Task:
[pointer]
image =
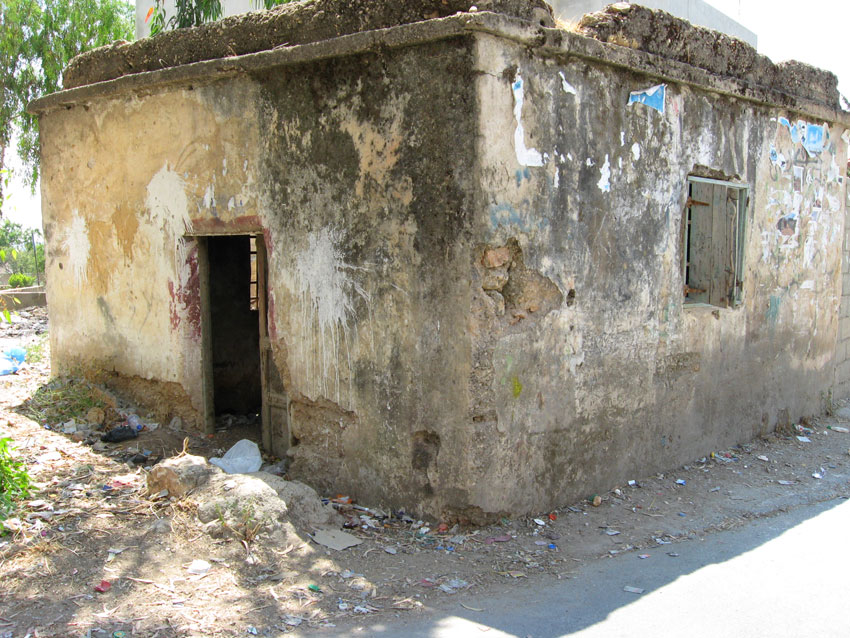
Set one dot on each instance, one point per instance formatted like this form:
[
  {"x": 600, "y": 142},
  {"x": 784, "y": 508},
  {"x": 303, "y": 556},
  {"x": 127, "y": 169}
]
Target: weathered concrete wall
[
  {"x": 123, "y": 182},
  {"x": 601, "y": 372},
  {"x": 842, "y": 350},
  {"x": 474, "y": 240},
  {"x": 369, "y": 216}
]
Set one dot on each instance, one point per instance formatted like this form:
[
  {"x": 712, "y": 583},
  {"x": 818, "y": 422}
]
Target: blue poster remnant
[
  {"x": 652, "y": 97},
  {"x": 814, "y": 140},
  {"x": 812, "y": 136}
]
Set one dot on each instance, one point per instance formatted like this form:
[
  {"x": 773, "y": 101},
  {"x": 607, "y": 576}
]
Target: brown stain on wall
[
  {"x": 100, "y": 255},
  {"x": 126, "y": 224}
]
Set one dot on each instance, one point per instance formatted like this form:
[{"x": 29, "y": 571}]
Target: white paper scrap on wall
[
  {"x": 525, "y": 156},
  {"x": 568, "y": 88},
  {"x": 604, "y": 182}
]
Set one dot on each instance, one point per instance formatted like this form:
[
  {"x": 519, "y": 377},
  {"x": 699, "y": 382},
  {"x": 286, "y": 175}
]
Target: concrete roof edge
[{"x": 550, "y": 42}]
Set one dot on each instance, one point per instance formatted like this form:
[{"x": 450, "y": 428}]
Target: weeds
[
  {"x": 59, "y": 401},
  {"x": 15, "y": 482},
  {"x": 246, "y": 527},
  {"x": 35, "y": 350}
]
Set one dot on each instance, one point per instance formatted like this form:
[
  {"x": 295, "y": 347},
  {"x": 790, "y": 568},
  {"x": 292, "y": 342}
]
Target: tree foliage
[
  {"x": 21, "y": 249},
  {"x": 193, "y": 13},
  {"x": 37, "y": 40}
]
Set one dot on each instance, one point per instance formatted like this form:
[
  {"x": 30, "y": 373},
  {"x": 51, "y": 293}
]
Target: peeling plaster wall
[
  {"x": 370, "y": 193},
  {"x": 123, "y": 181},
  {"x": 620, "y": 377}
]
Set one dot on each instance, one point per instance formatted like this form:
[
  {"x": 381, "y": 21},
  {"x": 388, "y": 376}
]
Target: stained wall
[{"x": 475, "y": 253}]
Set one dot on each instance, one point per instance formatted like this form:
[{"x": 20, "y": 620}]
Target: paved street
[{"x": 784, "y": 576}]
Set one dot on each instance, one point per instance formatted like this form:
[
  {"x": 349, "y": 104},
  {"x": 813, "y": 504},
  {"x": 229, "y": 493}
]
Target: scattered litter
[
  {"x": 633, "y": 590},
  {"x": 673, "y": 554},
  {"x": 681, "y": 482},
  {"x": 121, "y": 433},
  {"x": 762, "y": 457},
  {"x": 244, "y": 457},
  {"x": 335, "y": 539},
  {"x": 838, "y": 428},
  {"x": 453, "y": 585},
  {"x": 471, "y": 608},
  {"x": 504, "y": 538},
  {"x": 553, "y": 516},
  {"x": 661, "y": 541},
  {"x": 315, "y": 588},
  {"x": 199, "y": 567},
  {"x": 803, "y": 439},
  {"x": 682, "y": 514},
  {"x": 514, "y": 574},
  {"x": 11, "y": 360},
  {"x": 103, "y": 586},
  {"x": 539, "y": 521},
  {"x": 633, "y": 483},
  {"x": 643, "y": 556},
  {"x": 391, "y": 550},
  {"x": 819, "y": 475},
  {"x": 611, "y": 532},
  {"x": 785, "y": 482},
  {"x": 714, "y": 489},
  {"x": 596, "y": 500},
  {"x": 292, "y": 621},
  {"x": 252, "y": 630}
]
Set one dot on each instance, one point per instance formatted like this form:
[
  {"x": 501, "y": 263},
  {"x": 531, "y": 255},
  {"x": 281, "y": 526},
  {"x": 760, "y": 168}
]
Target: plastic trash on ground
[
  {"x": 243, "y": 458},
  {"x": 11, "y": 360}
]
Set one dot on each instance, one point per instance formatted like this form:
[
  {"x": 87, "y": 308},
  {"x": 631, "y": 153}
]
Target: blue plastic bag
[{"x": 12, "y": 360}]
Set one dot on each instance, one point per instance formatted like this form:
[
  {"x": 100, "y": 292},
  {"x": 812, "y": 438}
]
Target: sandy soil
[{"x": 92, "y": 525}]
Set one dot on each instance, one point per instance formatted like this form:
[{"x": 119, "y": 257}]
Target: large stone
[{"x": 179, "y": 475}]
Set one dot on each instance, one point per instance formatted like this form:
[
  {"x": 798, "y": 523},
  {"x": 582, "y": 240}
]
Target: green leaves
[
  {"x": 15, "y": 482},
  {"x": 193, "y": 13}
]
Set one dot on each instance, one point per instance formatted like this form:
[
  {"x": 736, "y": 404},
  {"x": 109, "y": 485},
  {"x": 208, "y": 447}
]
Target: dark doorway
[{"x": 235, "y": 331}]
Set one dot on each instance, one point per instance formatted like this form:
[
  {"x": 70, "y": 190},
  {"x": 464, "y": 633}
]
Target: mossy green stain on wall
[{"x": 516, "y": 387}]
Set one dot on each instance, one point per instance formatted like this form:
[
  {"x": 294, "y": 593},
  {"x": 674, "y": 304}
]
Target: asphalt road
[{"x": 784, "y": 576}]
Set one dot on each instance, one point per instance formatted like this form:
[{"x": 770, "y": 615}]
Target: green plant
[
  {"x": 20, "y": 280},
  {"x": 35, "y": 350},
  {"x": 246, "y": 527},
  {"x": 15, "y": 482},
  {"x": 60, "y": 400}
]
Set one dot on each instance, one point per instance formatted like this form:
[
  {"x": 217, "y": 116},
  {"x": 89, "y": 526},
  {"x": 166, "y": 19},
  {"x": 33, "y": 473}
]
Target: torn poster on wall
[
  {"x": 812, "y": 136},
  {"x": 653, "y": 97}
]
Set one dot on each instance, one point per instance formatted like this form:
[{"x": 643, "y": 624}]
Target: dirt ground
[{"x": 92, "y": 526}]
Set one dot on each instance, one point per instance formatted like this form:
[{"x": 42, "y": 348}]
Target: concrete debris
[{"x": 179, "y": 475}]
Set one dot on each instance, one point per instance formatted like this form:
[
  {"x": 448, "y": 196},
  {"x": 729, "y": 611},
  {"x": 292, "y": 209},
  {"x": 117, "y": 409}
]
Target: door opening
[{"x": 234, "y": 328}]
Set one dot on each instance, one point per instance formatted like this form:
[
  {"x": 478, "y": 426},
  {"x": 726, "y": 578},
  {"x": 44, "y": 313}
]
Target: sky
[{"x": 815, "y": 32}]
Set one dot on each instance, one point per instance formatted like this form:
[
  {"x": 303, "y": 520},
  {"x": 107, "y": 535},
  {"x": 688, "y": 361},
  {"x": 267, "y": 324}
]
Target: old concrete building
[{"x": 460, "y": 259}]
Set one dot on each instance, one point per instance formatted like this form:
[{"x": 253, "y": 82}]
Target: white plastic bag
[{"x": 242, "y": 458}]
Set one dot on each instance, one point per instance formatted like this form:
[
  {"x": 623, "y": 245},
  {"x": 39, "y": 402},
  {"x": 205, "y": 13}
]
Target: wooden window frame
[{"x": 713, "y": 240}]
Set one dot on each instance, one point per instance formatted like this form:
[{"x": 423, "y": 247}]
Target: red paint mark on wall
[{"x": 185, "y": 298}]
